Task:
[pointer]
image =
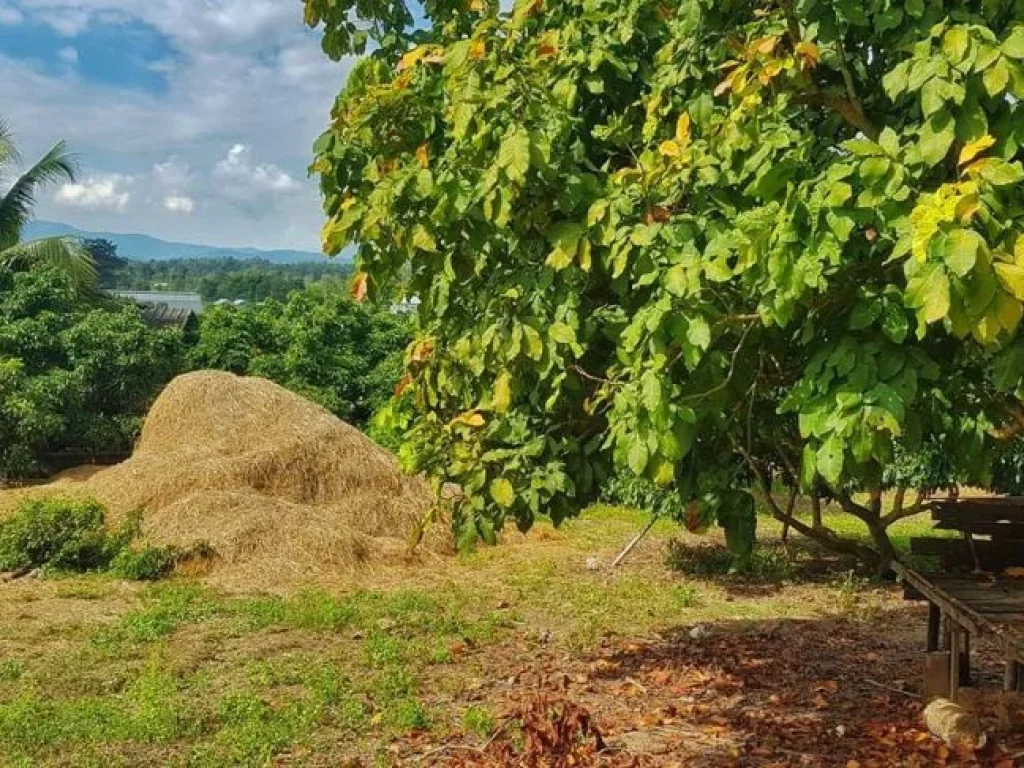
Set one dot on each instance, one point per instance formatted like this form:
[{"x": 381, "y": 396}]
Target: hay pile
[{"x": 278, "y": 486}]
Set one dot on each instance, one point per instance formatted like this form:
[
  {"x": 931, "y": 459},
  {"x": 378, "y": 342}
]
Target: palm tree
[{"x": 65, "y": 253}]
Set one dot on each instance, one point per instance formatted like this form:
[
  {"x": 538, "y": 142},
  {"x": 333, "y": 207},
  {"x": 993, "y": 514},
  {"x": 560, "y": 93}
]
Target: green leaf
[
  {"x": 955, "y": 43},
  {"x": 830, "y": 460},
  {"x": 1013, "y": 46},
  {"x": 514, "y": 154},
  {"x": 423, "y": 240},
  {"x": 928, "y": 292},
  {"x": 1000, "y": 173},
  {"x": 959, "y": 250},
  {"x": 937, "y": 137},
  {"x": 502, "y": 398},
  {"x": 808, "y": 467},
  {"x": 503, "y": 493},
  {"x": 996, "y": 78},
  {"x": 637, "y": 455},
  {"x": 562, "y": 333},
  {"x": 676, "y": 281},
  {"x": 651, "y": 391},
  {"x": 699, "y": 333}
]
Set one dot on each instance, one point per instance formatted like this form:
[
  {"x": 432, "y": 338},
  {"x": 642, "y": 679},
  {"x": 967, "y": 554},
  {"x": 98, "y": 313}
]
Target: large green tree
[
  {"x": 17, "y": 203},
  {"x": 730, "y": 246},
  {"x": 77, "y": 370}
]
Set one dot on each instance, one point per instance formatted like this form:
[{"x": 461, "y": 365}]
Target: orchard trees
[{"x": 731, "y": 246}]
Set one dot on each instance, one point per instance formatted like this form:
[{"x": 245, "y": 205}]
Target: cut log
[{"x": 957, "y": 727}]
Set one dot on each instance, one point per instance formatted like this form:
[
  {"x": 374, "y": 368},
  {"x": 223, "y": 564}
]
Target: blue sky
[{"x": 192, "y": 119}]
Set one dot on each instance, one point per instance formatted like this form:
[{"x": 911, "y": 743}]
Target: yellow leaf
[
  {"x": 548, "y": 43},
  {"x": 423, "y": 155},
  {"x": 586, "y": 259},
  {"x": 1012, "y": 278},
  {"x": 670, "y": 148},
  {"x": 477, "y": 49},
  {"x": 477, "y": 5},
  {"x": 412, "y": 58},
  {"x": 966, "y": 208},
  {"x": 809, "y": 52},
  {"x": 1018, "y": 251},
  {"x": 765, "y": 45},
  {"x": 1008, "y": 311},
  {"x": 726, "y": 84},
  {"x": 502, "y": 397},
  {"x": 360, "y": 286},
  {"x": 683, "y": 127},
  {"x": 975, "y": 148},
  {"x": 470, "y": 419},
  {"x": 422, "y": 351},
  {"x": 502, "y": 492}
]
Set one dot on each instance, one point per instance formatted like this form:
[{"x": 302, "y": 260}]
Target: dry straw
[{"x": 282, "y": 489}]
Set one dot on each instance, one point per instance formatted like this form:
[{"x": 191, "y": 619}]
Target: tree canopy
[
  {"x": 729, "y": 246},
  {"x": 319, "y": 343},
  {"x": 77, "y": 370}
]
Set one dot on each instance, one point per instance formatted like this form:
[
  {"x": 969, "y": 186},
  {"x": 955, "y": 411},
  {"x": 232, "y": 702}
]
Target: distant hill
[{"x": 146, "y": 248}]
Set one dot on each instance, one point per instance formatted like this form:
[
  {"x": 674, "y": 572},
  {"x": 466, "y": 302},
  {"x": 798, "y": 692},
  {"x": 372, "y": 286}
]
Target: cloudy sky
[{"x": 192, "y": 119}]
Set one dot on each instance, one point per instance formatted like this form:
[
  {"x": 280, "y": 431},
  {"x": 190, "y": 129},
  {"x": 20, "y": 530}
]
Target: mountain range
[{"x": 146, "y": 248}]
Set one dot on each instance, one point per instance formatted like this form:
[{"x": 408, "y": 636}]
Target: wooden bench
[{"x": 970, "y": 596}]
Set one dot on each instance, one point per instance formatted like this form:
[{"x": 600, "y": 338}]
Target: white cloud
[
  {"x": 172, "y": 174},
  {"x": 10, "y": 16},
  {"x": 179, "y": 204},
  {"x": 68, "y": 55},
  {"x": 67, "y": 21},
  {"x": 238, "y": 169},
  {"x": 97, "y": 192},
  {"x": 242, "y": 72}
]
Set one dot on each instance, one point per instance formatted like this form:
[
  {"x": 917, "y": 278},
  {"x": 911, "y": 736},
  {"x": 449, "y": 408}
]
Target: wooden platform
[{"x": 980, "y": 604}]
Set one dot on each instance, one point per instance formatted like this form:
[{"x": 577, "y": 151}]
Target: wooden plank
[
  {"x": 1004, "y": 531},
  {"x": 955, "y": 554}
]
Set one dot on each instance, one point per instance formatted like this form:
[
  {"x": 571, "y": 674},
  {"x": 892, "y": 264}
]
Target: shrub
[{"x": 62, "y": 535}]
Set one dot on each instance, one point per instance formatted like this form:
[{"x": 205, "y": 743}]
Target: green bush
[
  {"x": 149, "y": 564},
  {"x": 61, "y": 535}
]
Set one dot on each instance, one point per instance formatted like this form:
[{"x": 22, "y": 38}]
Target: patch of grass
[
  {"x": 11, "y": 670},
  {"x": 478, "y": 720},
  {"x": 169, "y": 606}
]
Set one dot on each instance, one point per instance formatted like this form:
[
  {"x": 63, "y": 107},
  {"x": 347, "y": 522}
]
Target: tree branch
[
  {"x": 919, "y": 506},
  {"x": 823, "y": 536}
]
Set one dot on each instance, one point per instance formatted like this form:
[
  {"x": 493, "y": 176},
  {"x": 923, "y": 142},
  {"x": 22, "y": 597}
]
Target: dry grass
[{"x": 278, "y": 486}]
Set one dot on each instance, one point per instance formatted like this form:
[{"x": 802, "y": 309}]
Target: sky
[{"x": 192, "y": 120}]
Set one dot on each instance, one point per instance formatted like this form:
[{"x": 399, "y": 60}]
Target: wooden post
[
  {"x": 934, "y": 619},
  {"x": 936, "y": 675},
  {"x": 1011, "y": 675},
  {"x": 956, "y": 645},
  {"x": 965, "y": 658}
]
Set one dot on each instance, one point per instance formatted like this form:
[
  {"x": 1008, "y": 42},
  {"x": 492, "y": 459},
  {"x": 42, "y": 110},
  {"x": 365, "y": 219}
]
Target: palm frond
[
  {"x": 16, "y": 206},
  {"x": 67, "y": 254},
  {"x": 8, "y": 151}
]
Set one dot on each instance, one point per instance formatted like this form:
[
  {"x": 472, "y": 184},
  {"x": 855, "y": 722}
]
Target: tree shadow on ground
[{"x": 816, "y": 692}]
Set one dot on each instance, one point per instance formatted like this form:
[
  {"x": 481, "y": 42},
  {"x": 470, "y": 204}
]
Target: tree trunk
[{"x": 816, "y": 511}]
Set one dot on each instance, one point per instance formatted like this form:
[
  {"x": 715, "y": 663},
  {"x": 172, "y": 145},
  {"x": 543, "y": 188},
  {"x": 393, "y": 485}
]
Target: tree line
[{"x": 212, "y": 278}]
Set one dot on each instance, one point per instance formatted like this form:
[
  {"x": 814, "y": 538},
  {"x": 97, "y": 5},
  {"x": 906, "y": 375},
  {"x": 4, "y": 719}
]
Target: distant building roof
[
  {"x": 173, "y": 299},
  {"x": 161, "y": 315}
]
